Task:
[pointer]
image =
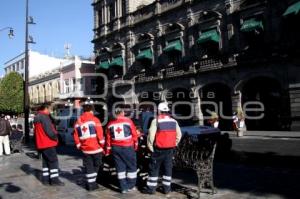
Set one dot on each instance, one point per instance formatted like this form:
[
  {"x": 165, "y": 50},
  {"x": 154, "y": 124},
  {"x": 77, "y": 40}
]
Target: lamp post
[
  {"x": 28, "y": 40},
  {"x": 10, "y": 32}
]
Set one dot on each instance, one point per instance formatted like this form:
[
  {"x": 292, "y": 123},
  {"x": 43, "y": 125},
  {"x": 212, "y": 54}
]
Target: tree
[{"x": 11, "y": 94}]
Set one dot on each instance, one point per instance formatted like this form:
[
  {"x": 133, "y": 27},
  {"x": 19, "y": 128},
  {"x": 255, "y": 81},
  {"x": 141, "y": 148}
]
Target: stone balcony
[
  {"x": 208, "y": 64},
  {"x": 72, "y": 94},
  {"x": 200, "y": 66}
]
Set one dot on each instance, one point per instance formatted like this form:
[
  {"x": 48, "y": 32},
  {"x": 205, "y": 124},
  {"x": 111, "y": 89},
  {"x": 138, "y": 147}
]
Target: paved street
[{"x": 238, "y": 174}]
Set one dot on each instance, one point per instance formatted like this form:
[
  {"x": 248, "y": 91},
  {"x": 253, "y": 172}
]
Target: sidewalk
[{"x": 20, "y": 174}]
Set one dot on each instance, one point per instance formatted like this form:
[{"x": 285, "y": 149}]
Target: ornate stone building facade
[
  {"x": 233, "y": 53},
  {"x": 44, "y": 87},
  {"x": 69, "y": 82}
]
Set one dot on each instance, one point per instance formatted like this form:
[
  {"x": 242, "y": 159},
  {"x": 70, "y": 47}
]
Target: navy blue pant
[
  {"x": 50, "y": 165},
  {"x": 125, "y": 162},
  {"x": 160, "y": 158},
  {"x": 91, "y": 163}
]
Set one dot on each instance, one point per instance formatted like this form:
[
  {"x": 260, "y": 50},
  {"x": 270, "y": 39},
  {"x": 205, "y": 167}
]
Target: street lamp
[
  {"x": 10, "y": 32},
  {"x": 28, "y": 40}
]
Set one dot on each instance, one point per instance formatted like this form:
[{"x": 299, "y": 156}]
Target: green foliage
[{"x": 11, "y": 93}]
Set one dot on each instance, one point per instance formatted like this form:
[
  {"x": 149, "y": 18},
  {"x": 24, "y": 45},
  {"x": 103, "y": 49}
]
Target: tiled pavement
[{"x": 19, "y": 179}]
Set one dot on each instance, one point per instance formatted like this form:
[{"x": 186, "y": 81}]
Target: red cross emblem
[
  {"x": 119, "y": 130},
  {"x": 84, "y": 129}
]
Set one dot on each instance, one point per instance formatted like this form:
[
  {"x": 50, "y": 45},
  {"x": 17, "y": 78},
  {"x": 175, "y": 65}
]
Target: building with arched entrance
[{"x": 203, "y": 56}]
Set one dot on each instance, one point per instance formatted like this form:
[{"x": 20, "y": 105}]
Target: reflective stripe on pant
[
  {"x": 91, "y": 163},
  {"x": 4, "y": 142},
  {"x": 125, "y": 162},
  {"x": 160, "y": 158},
  {"x": 45, "y": 172},
  {"x": 50, "y": 165}
]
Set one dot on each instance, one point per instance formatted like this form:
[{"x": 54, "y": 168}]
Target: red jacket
[
  {"x": 166, "y": 132},
  {"x": 88, "y": 134},
  {"x": 121, "y": 132},
  {"x": 44, "y": 131}
]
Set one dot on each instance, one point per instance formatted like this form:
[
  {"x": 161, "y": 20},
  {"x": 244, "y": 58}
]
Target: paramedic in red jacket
[
  {"x": 46, "y": 141},
  {"x": 164, "y": 135},
  {"x": 122, "y": 141},
  {"x": 88, "y": 137}
]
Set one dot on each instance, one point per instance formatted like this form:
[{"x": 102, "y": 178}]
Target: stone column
[
  {"x": 128, "y": 54},
  {"x": 191, "y": 21},
  {"x": 105, "y": 15},
  {"x": 196, "y": 100},
  {"x": 157, "y": 7},
  {"x": 117, "y": 23},
  {"x": 294, "y": 93},
  {"x": 157, "y": 43},
  {"x": 236, "y": 99}
]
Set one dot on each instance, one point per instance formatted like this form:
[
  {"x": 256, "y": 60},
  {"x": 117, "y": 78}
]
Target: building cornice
[{"x": 44, "y": 79}]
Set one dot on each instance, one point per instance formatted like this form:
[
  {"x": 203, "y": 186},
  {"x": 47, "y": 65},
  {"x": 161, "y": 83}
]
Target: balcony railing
[
  {"x": 71, "y": 94},
  {"x": 209, "y": 64},
  {"x": 177, "y": 71},
  {"x": 174, "y": 72}
]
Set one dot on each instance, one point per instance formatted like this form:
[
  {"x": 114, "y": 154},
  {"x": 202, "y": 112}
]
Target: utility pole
[{"x": 28, "y": 39}]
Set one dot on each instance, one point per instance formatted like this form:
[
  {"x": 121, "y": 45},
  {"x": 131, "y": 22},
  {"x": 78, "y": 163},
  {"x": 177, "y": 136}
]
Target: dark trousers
[
  {"x": 50, "y": 165},
  {"x": 125, "y": 162},
  {"x": 160, "y": 158},
  {"x": 91, "y": 163}
]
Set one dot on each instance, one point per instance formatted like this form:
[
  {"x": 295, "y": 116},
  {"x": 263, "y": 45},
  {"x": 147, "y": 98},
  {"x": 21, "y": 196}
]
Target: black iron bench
[
  {"x": 194, "y": 151},
  {"x": 197, "y": 152}
]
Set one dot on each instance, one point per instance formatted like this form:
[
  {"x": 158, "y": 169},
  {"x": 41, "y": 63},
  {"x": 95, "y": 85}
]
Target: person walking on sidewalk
[
  {"x": 88, "y": 137},
  {"x": 122, "y": 142},
  {"x": 5, "y": 131},
  {"x": 46, "y": 141},
  {"x": 164, "y": 135}
]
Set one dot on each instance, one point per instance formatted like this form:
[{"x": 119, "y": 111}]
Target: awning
[
  {"x": 252, "y": 24},
  {"x": 175, "y": 45},
  {"x": 117, "y": 61},
  {"x": 104, "y": 64},
  {"x": 145, "y": 54},
  {"x": 292, "y": 9},
  {"x": 210, "y": 35}
]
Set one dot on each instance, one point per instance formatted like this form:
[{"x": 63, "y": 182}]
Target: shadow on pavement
[
  {"x": 26, "y": 168},
  {"x": 76, "y": 176},
  {"x": 257, "y": 174},
  {"x": 258, "y": 180},
  {"x": 10, "y": 187}
]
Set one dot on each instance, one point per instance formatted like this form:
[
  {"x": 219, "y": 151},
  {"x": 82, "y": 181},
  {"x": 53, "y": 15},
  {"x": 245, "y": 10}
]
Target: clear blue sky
[{"x": 57, "y": 22}]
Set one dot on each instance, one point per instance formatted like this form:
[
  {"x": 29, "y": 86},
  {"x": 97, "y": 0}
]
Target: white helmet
[{"x": 163, "y": 107}]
